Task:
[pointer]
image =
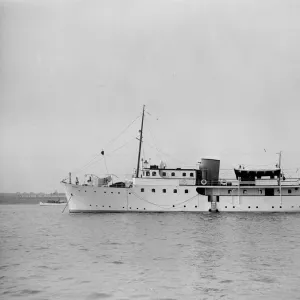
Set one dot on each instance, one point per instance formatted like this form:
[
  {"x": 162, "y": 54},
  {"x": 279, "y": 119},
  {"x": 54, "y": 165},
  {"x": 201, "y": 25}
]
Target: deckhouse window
[
  {"x": 191, "y": 174},
  {"x": 142, "y": 190},
  {"x": 289, "y": 191},
  {"x": 175, "y": 191},
  {"x": 173, "y": 174},
  {"x": 153, "y": 173},
  {"x": 186, "y": 191},
  {"x": 153, "y": 190},
  {"x": 164, "y": 174},
  {"x": 147, "y": 173},
  {"x": 244, "y": 192},
  {"x": 183, "y": 174},
  {"x": 164, "y": 190},
  {"x": 229, "y": 191}
]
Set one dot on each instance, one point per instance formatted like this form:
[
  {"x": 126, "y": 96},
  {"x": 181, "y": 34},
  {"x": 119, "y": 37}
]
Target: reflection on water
[{"x": 46, "y": 254}]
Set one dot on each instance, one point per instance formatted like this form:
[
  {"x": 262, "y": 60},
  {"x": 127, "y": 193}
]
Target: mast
[
  {"x": 140, "y": 146},
  {"x": 280, "y": 191},
  {"x": 280, "y": 160}
]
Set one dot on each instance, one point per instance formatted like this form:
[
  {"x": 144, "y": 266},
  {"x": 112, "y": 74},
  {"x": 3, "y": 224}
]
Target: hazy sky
[{"x": 220, "y": 78}]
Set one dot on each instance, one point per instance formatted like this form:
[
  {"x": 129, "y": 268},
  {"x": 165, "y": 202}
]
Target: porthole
[
  {"x": 109, "y": 206},
  {"x": 175, "y": 191},
  {"x": 147, "y": 173},
  {"x": 248, "y": 206},
  {"x": 129, "y": 207},
  {"x": 153, "y": 190},
  {"x": 164, "y": 190},
  {"x": 272, "y": 206},
  {"x": 184, "y": 206},
  {"x": 173, "y": 174},
  {"x": 144, "y": 208},
  {"x": 229, "y": 191},
  {"x": 292, "y": 206},
  {"x": 104, "y": 192},
  {"x": 142, "y": 190},
  {"x": 90, "y": 204},
  {"x": 118, "y": 192},
  {"x": 123, "y": 207},
  {"x": 137, "y": 208},
  {"x": 102, "y": 205},
  {"x": 94, "y": 191},
  {"x": 225, "y": 206},
  {"x": 195, "y": 206},
  {"x": 280, "y": 206},
  {"x": 129, "y": 193},
  {"x": 233, "y": 206},
  {"x": 112, "y": 192},
  {"x": 153, "y": 173},
  {"x": 183, "y": 174},
  {"x": 96, "y": 205},
  {"x": 85, "y": 191},
  {"x": 256, "y": 206},
  {"x": 173, "y": 205}
]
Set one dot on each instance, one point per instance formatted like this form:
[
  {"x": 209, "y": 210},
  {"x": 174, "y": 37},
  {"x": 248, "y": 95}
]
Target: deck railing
[{"x": 257, "y": 182}]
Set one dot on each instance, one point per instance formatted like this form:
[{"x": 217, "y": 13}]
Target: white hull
[
  {"x": 110, "y": 199},
  {"x": 51, "y": 204}
]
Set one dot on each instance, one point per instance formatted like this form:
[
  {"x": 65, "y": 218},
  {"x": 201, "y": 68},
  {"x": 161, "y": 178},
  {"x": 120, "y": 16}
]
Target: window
[
  {"x": 244, "y": 192},
  {"x": 191, "y": 174},
  {"x": 153, "y": 173},
  {"x": 183, "y": 174},
  {"x": 173, "y": 174},
  {"x": 164, "y": 190},
  {"x": 186, "y": 191},
  {"x": 260, "y": 191},
  {"x": 175, "y": 191},
  {"x": 269, "y": 192},
  {"x": 289, "y": 191},
  {"x": 164, "y": 174},
  {"x": 153, "y": 190},
  {"x": 142, "y": 190},
  {"x": 147, "y": 173},
  {"x": 229, "y": 191}
]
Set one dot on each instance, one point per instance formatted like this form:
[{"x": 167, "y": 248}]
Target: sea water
[{"x": 49, "y": 255}]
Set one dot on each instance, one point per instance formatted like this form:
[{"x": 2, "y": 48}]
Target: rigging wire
[
  {"x": 105, "y": 164},
  {"x": 100, "y": 157},
  {"x": 96, "y": 156},
  {"x": 114, "y": 139}
]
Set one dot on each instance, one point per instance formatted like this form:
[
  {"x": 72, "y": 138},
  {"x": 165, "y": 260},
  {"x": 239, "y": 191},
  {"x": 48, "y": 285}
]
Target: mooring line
[{"x": 67, "y": 204}]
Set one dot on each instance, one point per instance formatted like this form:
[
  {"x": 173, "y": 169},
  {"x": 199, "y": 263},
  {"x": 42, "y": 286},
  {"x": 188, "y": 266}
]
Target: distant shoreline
[{"x": 14, "y": 198}]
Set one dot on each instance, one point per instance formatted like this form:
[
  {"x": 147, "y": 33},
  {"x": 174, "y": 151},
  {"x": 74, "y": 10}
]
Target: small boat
[{"x": 53, "y": 202}]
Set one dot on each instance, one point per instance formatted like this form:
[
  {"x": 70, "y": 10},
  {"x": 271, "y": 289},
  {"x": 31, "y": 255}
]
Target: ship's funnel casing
[{"x": 210, "y": 169}]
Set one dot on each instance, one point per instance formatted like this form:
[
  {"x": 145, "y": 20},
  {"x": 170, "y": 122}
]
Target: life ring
[{"x": 203, "y": 182}]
